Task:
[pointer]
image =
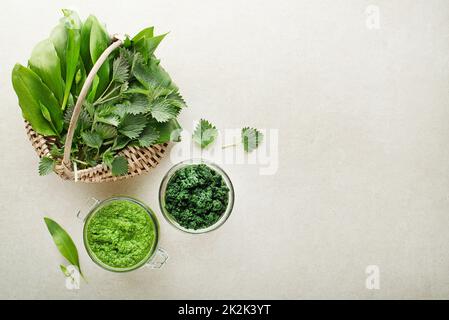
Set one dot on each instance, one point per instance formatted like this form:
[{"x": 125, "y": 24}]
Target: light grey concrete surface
[{"x": 363, "y": 152}]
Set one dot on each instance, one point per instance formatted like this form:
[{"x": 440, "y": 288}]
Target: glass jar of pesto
[
  {"x": 121, "y": 234},
  {"x": 196, "y": 196}
]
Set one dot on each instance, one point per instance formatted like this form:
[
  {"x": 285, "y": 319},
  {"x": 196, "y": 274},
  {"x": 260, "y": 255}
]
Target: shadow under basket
[{"x": 140, "y": 159}]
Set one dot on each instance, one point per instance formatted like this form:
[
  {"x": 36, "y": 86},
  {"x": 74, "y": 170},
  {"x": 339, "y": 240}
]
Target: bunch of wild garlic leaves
[{"x": 132, "y": 100}]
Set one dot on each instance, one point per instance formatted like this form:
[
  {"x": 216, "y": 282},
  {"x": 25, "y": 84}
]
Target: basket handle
[{"x": 117, "y": 41}]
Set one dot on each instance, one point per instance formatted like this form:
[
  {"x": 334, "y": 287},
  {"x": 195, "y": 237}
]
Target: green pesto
[
  {"x": 196, "y": 196},
  {"x": 121, "y": 234}
]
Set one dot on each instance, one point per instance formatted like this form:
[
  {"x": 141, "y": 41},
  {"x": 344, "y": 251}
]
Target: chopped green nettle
[
  {"x": 196, "y": 196},
  {"x": 121, "y": 234}
]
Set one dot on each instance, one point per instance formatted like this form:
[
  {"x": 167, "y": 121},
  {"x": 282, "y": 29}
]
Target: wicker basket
[{"x": 140, "y": 160}]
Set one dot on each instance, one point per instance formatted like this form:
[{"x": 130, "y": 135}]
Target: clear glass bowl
[
  {"x": 163, "y": 189},
  {"x": 155, "y": 258}
]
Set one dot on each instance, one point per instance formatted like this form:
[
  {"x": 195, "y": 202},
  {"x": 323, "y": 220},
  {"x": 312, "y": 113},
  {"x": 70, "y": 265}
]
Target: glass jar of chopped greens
[
  {"x": 122, "y": 234},
  {"x": 196, "y": 196}
]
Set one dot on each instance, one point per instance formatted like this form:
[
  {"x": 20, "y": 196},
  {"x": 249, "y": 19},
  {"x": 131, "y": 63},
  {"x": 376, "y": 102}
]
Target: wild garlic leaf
[
  {"x": 92, "y": 139},
  {"x": 47, "y": 116},
  {"x": 63, "y": 242},
  {"x": 132, "y": 125},
  {"x": 31, "y": 92},
  {"x": 58, "y": 37},
  {"x": 73, "y": 26},
  {"x": 64, "y": 270},
  {"x": 45, "y": 62},
  {"x": 119, "y": 166},
  {"x": 251, "y": 138},
  {"x": 147, "y": 45},
  {"x": 163, "y": 110},
  {"x": 46, "y": 166},
  {"x": 147, "y": 32},
  {"x": 148, "y": 137},
  {"x": 205, "y": 133},
  {"x": 99, "y": 41}
]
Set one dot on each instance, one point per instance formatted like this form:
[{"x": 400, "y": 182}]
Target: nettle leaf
[
  {"x": 105, "y": 131},
  {"x": 108, "y": 157},
  {"x": 205, "y": 133},
  {"x": 251, "y": 138},
  {"x": 138, "y": 104},
  {"x": 46, "y": 166},
  {"x": 163, "y": 110},
  {"x": 56, "y": 152},
  {"x": 92, "y": 139},
  {"x": 132, "y": 125},
  {"x": 120, "y": 69},
  {"x": 119, "y": 166},
  {"x": 148, "y": 137},
  {"x": 135, "y": 88},
  {"x": 120, "y": 142},
  {"x": 177, "y": 99},
  {"x": 113, "y": 120}
]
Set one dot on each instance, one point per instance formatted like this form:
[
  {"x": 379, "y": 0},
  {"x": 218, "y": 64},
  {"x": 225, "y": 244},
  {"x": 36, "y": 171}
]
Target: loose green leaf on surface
[
  {"x": 251, "y": 138},
  {"x": 63, "y": 242},
  {"x": 46, "y": 166},
  {"x": 64, "y": 270},
  {"x": 205, "y": 133}
]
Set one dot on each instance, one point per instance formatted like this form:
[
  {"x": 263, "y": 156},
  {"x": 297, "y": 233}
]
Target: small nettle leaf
[
  {"x": 56, "y": 152},
  {"x": 119, "y": 166},
  {"x": 205, "y": 133},
  {"x": 120, "y": 69},
  {"x": 105, "y": 131},
  {"x": 46, "y": 166},
  {"x": 178, "y": 99},
  {"x": 108, "y": 157},
  {"x": 68, "y": 114},
  {"x": 163, "y": 110},
  {"x": 84, "y": 120},
  {"x": 148, "y": 137},
  {"x": 111, "y": 119},
  {"x": 92, "y": 139},
  {"x": 137, "y": 89},
  {"x": 138, "y": 104},
  {"x": 251, "y": 138},
  {"x": 132, "y": 125},
  {"x": 120, "y": 142}
]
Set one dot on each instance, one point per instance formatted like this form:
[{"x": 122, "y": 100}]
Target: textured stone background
[{"x": 363, "y": 153}]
